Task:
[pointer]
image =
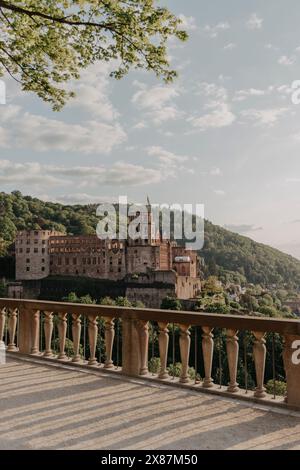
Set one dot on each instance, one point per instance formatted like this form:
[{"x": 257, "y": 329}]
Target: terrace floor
[{"x": 50, "y": 407}]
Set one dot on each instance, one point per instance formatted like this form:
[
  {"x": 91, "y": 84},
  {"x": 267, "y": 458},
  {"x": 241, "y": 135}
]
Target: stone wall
[
  {"x": 32, "y": 254},
  {"x": 151, "y": 296}
]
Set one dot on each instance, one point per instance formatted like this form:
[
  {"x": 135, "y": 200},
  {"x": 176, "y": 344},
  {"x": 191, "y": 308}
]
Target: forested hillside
[{"x": 225, "y": 254}]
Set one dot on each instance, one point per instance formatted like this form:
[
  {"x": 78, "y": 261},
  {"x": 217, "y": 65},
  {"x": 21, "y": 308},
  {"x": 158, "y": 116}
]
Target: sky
[{"x": 225, "y": 134}]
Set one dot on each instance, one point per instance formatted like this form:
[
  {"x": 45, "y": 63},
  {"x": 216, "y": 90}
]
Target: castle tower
[
  {"x": 32, "y": 254},
  {"x": 146, "y": 232}
]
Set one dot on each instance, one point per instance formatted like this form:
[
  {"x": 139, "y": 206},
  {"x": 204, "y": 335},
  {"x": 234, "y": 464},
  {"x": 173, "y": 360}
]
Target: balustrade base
[
  {"x": 208, "y": 383},
  {"x": 242, "y": 395}
]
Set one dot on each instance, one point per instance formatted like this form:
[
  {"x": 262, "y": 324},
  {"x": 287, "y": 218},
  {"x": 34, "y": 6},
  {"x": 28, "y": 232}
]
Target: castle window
[
  {"x": 36, "y": 233},
  {"x": 27, "y": 250},
  {"x": 44, "y": 242},
  {"x": 43, "y": 260},
  {"x": 36, "y": 250},
  {"x": 28, "y": 242},
  {"x": 21, "y": 250},
  {"x": 94, "y": 260},
  {"x": 28, "y": 269},
  {"x": 43, "y": 250},
  {"x": 89, "y": 260},
  {"x": 75, "y": 262},
  {"x": 43, "y": 268},
  {"x": 119, "y": 270},
  {"x": 36, "y": 242}
]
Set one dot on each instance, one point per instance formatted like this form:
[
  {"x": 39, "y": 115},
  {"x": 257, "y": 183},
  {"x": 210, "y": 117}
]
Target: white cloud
[
  {"x": 188, "y": 22},
  {"x": 157, "y": 103},
  {"x": 221, "y": 114},
  {"x": 254, "y": 22},
  {"x": 140, "y": 125},
  {"x": 213, "y": 91},
  {"x": 220, "y": 117},
  {"x": 286, "y": 61},
  {"x": 241, "y": 95},
  {"x": 264, "y": 117},
  {"x": 224, "y": 78},
  {"x": 271, "y": 47},
  {"x": 170, "y": 163},
  {"x": 213, "y": 30},
  {"x": 93, "y": 91},
  {"x": 39, "y": 175},
  {"x": 215, "y": 172},
  {"x": 293, "y": 179},
  {"x": 26, "y": 130},
  {"x": 78, "y": 198},
  {"x": 285, "y": 90},
  {"x": 219, "y": 192},
  {"x": 229, "y": 47}
]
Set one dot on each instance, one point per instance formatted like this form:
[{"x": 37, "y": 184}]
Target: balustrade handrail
[{"x": 238, "y": 322}]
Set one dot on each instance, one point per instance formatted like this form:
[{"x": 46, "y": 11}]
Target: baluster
[
  {"x": 232, "y": 348},
  {"x": 143, "y": 327},
  {"x": 93, "y": 332},
  {"x": 208, "y": 351},
  {"x": 12, "y": 326},
  {"x": 2, "y": 325},
  {"x": 185, "y": 344},
  {"x": 163, "y": 342},
  {"x": 62, "y": 333},
  {"x": 259, "y": 354},
  {"x": 48, "y": 329},
  {"x": 76, "y": 334},
  {"x": 109, "y": 341},
  {"x": 35, "y": 332}
]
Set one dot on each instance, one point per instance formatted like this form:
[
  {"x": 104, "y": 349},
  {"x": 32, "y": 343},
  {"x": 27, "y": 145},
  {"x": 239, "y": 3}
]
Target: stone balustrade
[{"x": 28, "y": 327}]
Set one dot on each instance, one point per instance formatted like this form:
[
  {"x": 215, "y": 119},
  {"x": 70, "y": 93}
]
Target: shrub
[
  {"x": 69, "y": 348},
  {"x": 171, "y": 303},
  {"x": 218, "y": 308},
  {"x": 175, "y": 371},
  {"x": 280, "y": 387},
  {"x": 154, "y": 365}
]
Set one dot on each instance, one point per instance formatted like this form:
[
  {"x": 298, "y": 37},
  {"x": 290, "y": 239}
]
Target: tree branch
[{"x": 56, "y": 19}]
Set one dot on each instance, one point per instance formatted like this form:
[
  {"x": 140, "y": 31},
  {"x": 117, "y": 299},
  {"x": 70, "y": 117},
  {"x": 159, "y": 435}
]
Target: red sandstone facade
[{"x": 43, "y": 253}]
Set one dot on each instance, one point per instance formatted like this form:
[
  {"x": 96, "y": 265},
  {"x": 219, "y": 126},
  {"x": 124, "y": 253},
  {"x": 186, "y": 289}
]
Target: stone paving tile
[{"x": 46, "y": 407}]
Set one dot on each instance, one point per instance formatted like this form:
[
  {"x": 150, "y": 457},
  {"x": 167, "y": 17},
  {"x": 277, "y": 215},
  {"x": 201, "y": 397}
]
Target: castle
[{"x": 143, "y": 261}]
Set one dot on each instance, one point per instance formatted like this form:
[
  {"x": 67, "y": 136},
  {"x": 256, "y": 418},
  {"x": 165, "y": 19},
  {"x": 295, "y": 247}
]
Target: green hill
[{"x": 225, "y": 254}]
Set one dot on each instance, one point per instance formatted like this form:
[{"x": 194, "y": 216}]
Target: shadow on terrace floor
[{"x": 46, "y": 407}]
